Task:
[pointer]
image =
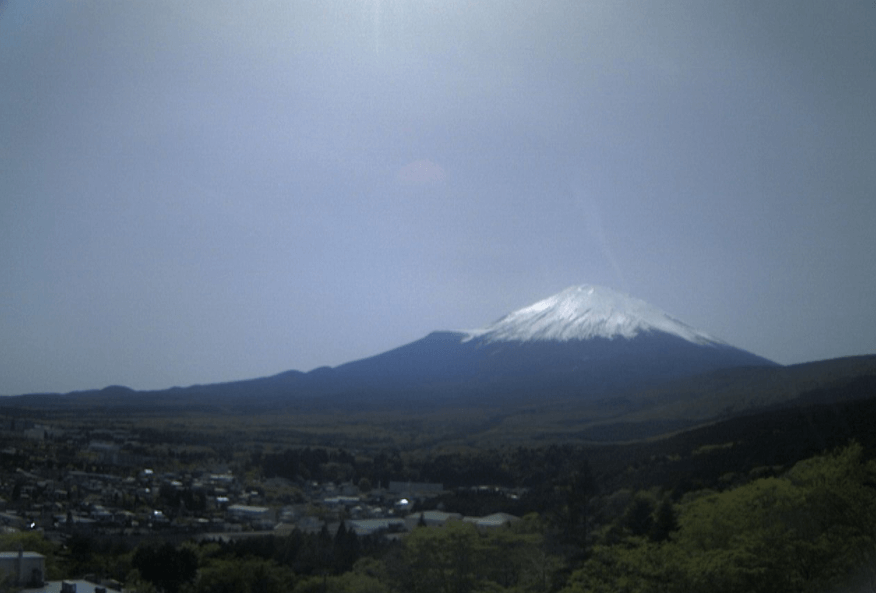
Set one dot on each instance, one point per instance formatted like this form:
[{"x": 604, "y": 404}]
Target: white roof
[{"x": 23, "y": 555}]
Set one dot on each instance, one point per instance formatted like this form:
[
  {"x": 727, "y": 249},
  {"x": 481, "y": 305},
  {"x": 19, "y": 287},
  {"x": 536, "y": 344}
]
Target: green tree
[
  {"x": 165, "y": 566},
  {"x": 809, "y": 530},
  {"x": 665, "y": 522},
  {"x": 799, "y": 532},
  {"x": 575, "y": 514},
  {"x": 516, "y": 557},
  {"x": 244, "y": 575},
  {"x": 349, "y": 582},
  {"x": 636, "y": 566},
  {"x": 459, "y": 558},
  {"x": 439, "y": 560},
  {"x": 639, "y": 515}
]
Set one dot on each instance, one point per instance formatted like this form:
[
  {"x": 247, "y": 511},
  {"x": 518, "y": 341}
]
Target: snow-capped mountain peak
[{"x": 585, "y": 312}]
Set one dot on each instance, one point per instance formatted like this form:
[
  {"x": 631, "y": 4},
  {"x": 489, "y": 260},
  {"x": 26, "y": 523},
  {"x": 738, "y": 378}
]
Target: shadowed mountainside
[{"x": 521, "y": 415}]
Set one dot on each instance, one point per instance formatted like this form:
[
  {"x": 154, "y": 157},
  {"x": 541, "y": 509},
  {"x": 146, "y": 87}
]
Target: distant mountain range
[
  {"x": 585, "y": 342},
  {"x": 588, "y": 363}
]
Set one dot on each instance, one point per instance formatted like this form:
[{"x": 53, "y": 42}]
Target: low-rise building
[
  {"x": 253, "y": 515},
  {"x": 430, "y": 518},
  {"x": 374, "y": 526},
  {"x": 494, "y": 520},
  {"x": 26, "y": 568}
]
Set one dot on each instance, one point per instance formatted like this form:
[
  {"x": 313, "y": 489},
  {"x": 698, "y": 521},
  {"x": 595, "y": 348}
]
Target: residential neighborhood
[{"x": 110, "y": 485}]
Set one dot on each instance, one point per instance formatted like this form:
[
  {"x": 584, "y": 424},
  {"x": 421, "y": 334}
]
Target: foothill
[{"x": 190, "y": 502}]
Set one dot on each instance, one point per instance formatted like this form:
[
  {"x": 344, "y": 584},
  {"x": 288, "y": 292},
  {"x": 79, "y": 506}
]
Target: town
[
  {"x": 110, "y": 485},
  {"x": 189, "y": 502}
]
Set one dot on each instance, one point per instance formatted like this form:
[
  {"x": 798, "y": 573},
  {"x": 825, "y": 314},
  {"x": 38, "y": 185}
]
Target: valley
[
  {"x": 101, "y": 490},
  {"x": 587, "y": 442}
]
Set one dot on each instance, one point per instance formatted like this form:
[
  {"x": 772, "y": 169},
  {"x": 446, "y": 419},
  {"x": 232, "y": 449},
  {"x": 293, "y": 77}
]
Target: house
[
  {"x": 373, "y": 526},
  {"x": 430, "y": 518},
  {"x": 256, "y": 516},
  {"x": 494, "y": 520},
  {"x": 26, "y": 568},
  {"x": 73, "y": 586}
]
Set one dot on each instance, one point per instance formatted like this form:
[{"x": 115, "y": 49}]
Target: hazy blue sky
[{"x": 203, "y": 191}]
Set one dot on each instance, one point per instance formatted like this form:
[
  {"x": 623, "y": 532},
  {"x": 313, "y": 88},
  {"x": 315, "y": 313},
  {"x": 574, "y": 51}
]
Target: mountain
[
  {"x": 588, "y": 364},
  {"x": 584, "y": 313},
  {"x": 586, "y": 343}
]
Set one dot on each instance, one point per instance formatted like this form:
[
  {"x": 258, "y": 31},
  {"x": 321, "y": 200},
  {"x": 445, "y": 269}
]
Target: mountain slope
[
  {"x": 585, "y": 343},
  {"x": 587, "y": 312}
]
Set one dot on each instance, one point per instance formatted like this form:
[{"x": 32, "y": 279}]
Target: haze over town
[{"x": 209, "y": 191}]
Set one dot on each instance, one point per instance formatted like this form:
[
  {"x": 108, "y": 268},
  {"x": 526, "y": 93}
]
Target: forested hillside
[
  {"x": 809, "y": 528},
  {"x": 776, "y": 501}
]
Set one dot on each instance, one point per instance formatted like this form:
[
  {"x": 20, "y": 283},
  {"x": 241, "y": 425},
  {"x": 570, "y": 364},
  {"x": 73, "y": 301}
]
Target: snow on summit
[{"x": 585, "y": 312}]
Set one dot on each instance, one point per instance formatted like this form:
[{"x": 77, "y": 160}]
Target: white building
[
  {"x": 252, "y": 514},
  {"x": 27, "y": 568},
  {"x": 494, "y": 520},
  {"x": 430, "y": 518}
]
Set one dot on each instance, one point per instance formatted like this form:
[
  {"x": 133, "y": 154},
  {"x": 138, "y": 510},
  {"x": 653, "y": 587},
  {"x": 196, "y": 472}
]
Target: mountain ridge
[{"x": 585, "y": 342}]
